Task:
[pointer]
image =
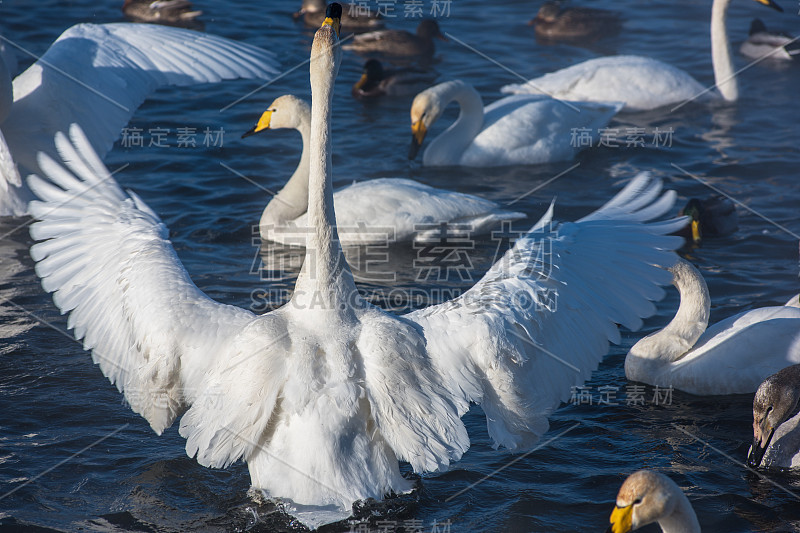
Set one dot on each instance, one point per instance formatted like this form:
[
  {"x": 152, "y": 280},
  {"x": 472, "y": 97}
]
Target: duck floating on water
[
  {"x": 376, "y": 81},
  {"x": 553, "y": 23},
  {"x": 399, "y": 43},
  {"x": 761, "y": 42}
]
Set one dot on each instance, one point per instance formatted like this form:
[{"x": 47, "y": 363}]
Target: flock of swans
[{"x": 307, "y": 394}]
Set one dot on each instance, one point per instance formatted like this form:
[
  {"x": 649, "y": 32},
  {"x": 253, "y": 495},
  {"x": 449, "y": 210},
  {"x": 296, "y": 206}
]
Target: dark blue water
[{"x": 55, "y": 403}]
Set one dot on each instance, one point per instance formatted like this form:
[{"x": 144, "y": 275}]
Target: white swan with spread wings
[{"x": 308, "y": 394}]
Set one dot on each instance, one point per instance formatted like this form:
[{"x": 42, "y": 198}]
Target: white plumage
[
  {"x": 516, "y": 130},
  {"x": 322, "y": 396},
  {"x": 373, "y": 211},
  {"x": 731, "y": 357},
  {"x": 642, "y": 83},
  {"x": 96, "y": 75}
]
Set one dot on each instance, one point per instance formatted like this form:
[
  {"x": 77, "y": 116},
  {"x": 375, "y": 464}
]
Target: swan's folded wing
[
  {"x": 96, "y": 75},
  {"x": 105, "y": 257},
  {"x": 540, "y": 321}
]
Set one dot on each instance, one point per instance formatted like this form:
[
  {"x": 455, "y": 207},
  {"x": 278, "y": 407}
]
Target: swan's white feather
[
  {"x": 109, "y": 263},
  {"x": 321, "y": 402},
  {"x": 525, "y": 129},
  {"x": 640, "y": 82},
  {"x": 736, "y": 354},
  {"x": 541, "y": 319},
  {"x": 96, "y": 75}
]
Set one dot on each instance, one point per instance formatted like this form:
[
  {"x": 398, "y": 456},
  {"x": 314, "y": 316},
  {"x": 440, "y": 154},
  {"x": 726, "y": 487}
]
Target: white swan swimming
[
  {"x": 515, "y": 130},
  {"x": 647, "y": 497},
  {"x": 731, "y": 357},
  {"x": 322, "y": 396},
  {"x": 776, "y": 436},
  {"x": 96, "y": 75},
  {"x": 641, "y": 82},
  {"x": 370, "y": 211}
]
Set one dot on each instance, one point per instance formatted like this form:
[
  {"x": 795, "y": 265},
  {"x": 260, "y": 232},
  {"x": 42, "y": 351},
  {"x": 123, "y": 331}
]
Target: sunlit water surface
[{"x": 55, "y": 402}]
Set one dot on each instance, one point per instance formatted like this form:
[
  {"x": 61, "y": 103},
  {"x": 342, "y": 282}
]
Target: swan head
[
  {"x": 645, "y": 497},
  {"x": 287, "y": 111},
  {"x": 775, "y": 401},
  {"x": 333, "y": 19},
  {"x": 425, "y": 110}
]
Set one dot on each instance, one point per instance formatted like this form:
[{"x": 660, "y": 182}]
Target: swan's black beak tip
[
  {"x": 757, "y": 452},
  {"x": 413, "y": 150}
]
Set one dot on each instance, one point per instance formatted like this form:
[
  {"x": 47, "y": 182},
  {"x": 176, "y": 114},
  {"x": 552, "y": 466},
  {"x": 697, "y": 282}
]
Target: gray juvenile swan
[{"x": 776, "y": 436}]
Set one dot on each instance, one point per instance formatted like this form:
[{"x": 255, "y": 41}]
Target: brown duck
[
  {"x": 554, "y": 23},
  {"x": 398, "y": 43}
]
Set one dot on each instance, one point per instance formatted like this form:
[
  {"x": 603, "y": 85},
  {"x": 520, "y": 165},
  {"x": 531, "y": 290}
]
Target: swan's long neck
[
  {"x": 678, "y": 337},
  {"x": 448, "y": 147},
  {"x": 292, "y": 200},
  {"x": 682, "y": 519},
  {"x": 325, "y": 281},
  {"x": 721, "y": 56}
]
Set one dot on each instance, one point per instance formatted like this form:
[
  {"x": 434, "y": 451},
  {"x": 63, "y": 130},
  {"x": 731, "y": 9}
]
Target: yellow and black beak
[
  {"x": 770, "y": 3},
  {"x": 263, "y": 124},
  {"x": 333, "y": 17},
  {"x": 418, "y": 131},
  {"x": 621, "y": 519}
]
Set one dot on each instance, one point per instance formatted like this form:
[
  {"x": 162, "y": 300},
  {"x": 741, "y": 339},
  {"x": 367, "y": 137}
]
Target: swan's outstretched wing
[
  {"x": 105, "y": 257},
  {"x": 641, "y": 82},
  {"x": 96, "y": 75},
  {"x": 541, "y": 319}
]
